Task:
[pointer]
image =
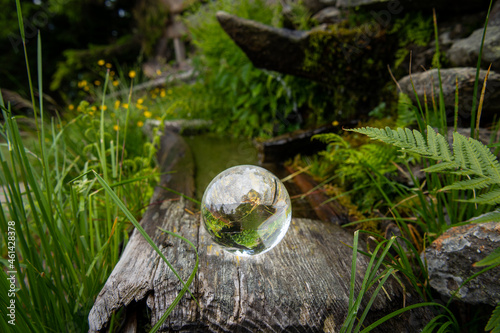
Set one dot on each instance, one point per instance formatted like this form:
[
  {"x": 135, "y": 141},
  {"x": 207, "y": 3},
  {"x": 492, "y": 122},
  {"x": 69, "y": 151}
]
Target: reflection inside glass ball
[{"x": 246, "y": 209}]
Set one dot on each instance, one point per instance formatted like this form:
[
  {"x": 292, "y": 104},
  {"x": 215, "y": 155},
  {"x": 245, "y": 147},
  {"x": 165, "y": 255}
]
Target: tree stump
[{"x": 302, "y": 285}]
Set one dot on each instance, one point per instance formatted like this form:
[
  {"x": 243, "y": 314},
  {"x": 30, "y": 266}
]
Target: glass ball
[{"x": 246, "y": 209}]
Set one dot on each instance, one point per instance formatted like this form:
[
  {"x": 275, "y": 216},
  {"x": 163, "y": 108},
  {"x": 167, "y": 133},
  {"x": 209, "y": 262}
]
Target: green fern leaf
[
  {"x": 419, "y": 138},
  {"x": 410, "y": 137},
  {"x": 494, "y": 322},
  {"x": 488, "y": 217},
  {"x": 458, "y": 150},
  {"x": 444, "y": 148},
  {"x": 490, "y": 164},
  {"x": 432, "y": 141},
  {"x": 469, "y": 158},
  {"x": 489, "y": 198},
  {"x": 441, "y": 167},
  {"x": 492, "y": 259},
  {"x": 469, "y": 184},
  {"x": 472, "y": 157}
]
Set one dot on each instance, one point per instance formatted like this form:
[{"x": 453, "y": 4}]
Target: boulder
[
  {"x": 451, "y": 257},
  {"x": 465, "y": 52},
  {"x": 427, "y": 83},
  {"x": 353, "y": 61}
]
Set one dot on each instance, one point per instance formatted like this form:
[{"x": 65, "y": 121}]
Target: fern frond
[
  {"x": 328, "y": 137},
  {"x": 448, "y": 167},
  {"x": 473, "y": 159},
  {"x": 494, "y": 322},
  {"x": 489, "y": 198},
  {"x": 470, "y": 184},
  {"x": 487, "y": 217},
  {"x": 444, "y": 148},
  {"x": 432, "y": 141},
  {"x": 458, "y": 150},
  {"x": 491, "y": 166},
  {"x": 469, "y": 158},
  {"x": 412, "y": 142}
]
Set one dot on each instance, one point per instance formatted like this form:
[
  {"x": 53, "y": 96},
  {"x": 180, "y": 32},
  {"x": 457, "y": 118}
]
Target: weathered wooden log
[{"x": 301, "y": 285}]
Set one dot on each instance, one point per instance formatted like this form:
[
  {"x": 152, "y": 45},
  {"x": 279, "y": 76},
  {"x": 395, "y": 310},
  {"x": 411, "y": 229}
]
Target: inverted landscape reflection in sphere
[{"x": 246, "y": 209}]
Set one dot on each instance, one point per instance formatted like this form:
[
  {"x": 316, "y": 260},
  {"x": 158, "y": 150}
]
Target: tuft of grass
[{"x": 62, "y": 234}]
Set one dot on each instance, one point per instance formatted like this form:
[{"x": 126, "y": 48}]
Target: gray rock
[
  {"x": 465, "y": 52},
  {"x": 428, "y": 83},
  {"x": 494, "y": 15},
  {"x": 450, "y": 260}
]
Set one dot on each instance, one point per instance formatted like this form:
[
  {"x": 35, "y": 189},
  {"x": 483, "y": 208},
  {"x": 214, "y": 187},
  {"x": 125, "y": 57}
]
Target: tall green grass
[{"x": 69, "y": 230}]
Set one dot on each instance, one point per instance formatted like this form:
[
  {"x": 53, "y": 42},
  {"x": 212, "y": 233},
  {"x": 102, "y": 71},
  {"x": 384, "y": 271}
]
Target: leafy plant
[{"x": 470, "y": 158}]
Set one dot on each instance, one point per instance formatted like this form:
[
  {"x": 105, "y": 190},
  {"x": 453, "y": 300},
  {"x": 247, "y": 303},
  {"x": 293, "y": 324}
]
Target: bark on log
[{"x": 301, "y": 285}]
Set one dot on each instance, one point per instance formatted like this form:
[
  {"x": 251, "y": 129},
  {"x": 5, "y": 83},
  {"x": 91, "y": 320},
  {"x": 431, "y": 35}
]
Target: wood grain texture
[{"x": 302, "y": 285}]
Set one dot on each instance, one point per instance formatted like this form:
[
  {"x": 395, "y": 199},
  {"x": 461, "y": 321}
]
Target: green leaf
[
  {"x": 492, "y": 259},
  {"x": 489, "y": 198},
  {"x": 469, "y": 184},
  {"x": 488, "y": 217},
  {"x": 494, "y": 322}
]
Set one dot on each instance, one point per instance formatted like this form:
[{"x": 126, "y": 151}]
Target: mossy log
[{"x": 301, "y": 285}]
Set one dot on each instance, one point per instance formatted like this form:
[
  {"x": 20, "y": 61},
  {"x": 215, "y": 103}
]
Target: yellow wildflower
[
  {"x": 117, "y": 104},
  {"x": 125, "y": 105},
  {"x": 131, "y": 74},
  {"x": 140, "y": 101},
  {"x": 71, "y": 107},
  {"x": 101, "y": 62},
  {"x": 108, "y": 65},
  {"x": 93, "y": 108},
  {"x": 147, "y": 114},
  {"x": 158, "y": 72},
  {"x": 140, "y": 123},
  {"x": 116, "y": 127},
  {"x": 115, "y": 83},
  {"x": 162, "y": 93},
  {"x": 154, "y": 95},
  {"x": 82, "y": 83},
  {"x": 86, "y": 88},
  {"x": 103, "y": 107},
  {"x": 335, "y": 123},
  {"x": 97, "y": 82}
]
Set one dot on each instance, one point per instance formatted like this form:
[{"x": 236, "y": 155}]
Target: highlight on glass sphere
[{"x": 246, "y": 209}]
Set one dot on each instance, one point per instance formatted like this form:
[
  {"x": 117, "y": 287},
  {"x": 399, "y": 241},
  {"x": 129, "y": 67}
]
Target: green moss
[{"x": 247, "y": 238}]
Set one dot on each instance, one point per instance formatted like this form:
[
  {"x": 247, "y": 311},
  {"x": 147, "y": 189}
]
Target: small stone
[{"x": 451, "y": 257}]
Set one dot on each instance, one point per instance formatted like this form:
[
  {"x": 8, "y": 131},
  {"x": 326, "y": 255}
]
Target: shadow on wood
[{"x": 302, "y": 285}]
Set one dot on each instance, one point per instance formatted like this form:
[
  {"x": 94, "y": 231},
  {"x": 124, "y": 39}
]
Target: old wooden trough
[{"x": 302, "y": 285}]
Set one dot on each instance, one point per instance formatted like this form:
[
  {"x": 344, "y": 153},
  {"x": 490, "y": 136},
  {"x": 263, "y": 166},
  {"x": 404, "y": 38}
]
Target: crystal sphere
[{"x": 246, "y": 209}]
